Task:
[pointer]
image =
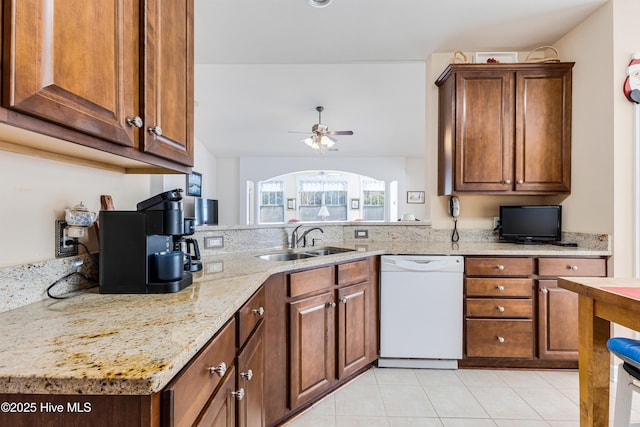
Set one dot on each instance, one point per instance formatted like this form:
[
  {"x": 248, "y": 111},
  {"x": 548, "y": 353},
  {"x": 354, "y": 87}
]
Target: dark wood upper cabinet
[
  {"x": 505, "y": 128},
  {"x": 74, "y": 63},
  {"x": 116, "y": 76},
  {"x": 168, "y": 77}
]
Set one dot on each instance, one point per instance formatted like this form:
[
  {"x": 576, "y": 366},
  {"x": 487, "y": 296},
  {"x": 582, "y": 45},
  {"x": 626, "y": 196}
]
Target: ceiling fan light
[
  {"x": 327, "y": 142},
  {"x": 319, "y": 3}
]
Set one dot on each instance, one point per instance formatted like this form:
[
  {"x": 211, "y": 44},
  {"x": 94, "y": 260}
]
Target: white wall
[{"x": 36, "y": 191}]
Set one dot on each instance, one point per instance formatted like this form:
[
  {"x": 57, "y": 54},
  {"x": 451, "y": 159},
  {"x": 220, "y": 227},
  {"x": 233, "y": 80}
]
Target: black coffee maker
[
  {"x": 137, "y": 251},
  {"x": 192, "y": 250}
]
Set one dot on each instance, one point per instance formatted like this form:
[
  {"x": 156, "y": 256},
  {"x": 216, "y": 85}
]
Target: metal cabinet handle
[
  {"x": 239, "y": 395},
  {"x": 247, "y": 375},
  {"x": 573, "y": 267},
  {"x": 343, "y": 300},
  {"x": 500, "y": 309},
  {"x": 259, "y": 311},
  {"x": 507, "y": 181},
  {"x": 155, "y": 130},
  {"x": 501, "y": 267},
  {"x": 520, "y": 181},
  {"x": 135, "y": 121},
  {"x": 500, "y": 339},
  {"x": 544, "y": 290},
  {"x": 331, "y": 304},
  {"x": 221, "y": 369},
  {"x": 500, "y": 288}
]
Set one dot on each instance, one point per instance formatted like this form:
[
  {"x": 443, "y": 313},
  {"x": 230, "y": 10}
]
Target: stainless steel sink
[
  {"x": 291, "y": 256},
  {"x": 327, "y": 251},
  {"x": 285, "y": 256}
]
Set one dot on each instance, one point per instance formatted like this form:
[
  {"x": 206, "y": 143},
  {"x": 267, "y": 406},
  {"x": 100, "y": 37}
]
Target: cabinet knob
[
  {"x": 343, "y": 300},
  {"x": 520, "y": 181},
  {"x": 221, "y": 369},
  {"x": 259, "y": 311},
  {"x": 544, "y": 290},
  {"x": 155, "y": 130},
  {"x": 331, "y": 304},
  {"x": 500, "y": 339},
  {"x": 500, "y": 288},
  {"x": 135, "y": 121},
  {"x": 247, "y": 375},
  {"x": 500, "y": 309},
  {"x": 239, "y": 395},
  {"x": 573, "y": 267},
  {"x": 507, "y": 181},
  {"x": 501, "y": 267}
]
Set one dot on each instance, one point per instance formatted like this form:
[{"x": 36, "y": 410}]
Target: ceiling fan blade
[
  {"x": 299, "y": 131},
  {"x": 340, "y": 132}
]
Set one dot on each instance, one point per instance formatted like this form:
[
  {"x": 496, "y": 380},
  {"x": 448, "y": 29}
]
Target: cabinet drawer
[
  {"x": 353, "y": 272},
  {"x": 500, "y": 308},
  {"x": 304, "y": 282},
  {"x": 594, "y": 267},
  {"x": 188, "y": 392},
  {"x": 499, "y": 287},
  {"x": 249, "y": 315},
  {"x": 499, "y": 338},
  {"x": 498, "y": 266}
]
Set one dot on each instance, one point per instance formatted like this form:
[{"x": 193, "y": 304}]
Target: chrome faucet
[{"x": 295, "y": 240}]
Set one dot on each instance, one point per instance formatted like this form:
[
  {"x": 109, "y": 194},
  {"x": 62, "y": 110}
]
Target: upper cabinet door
[
  {"x": 543, "y": 130},
  {"x": 484, "y": 131},
  {"x": 74, "y": 63},
  {"x": 168, "y": 77}
]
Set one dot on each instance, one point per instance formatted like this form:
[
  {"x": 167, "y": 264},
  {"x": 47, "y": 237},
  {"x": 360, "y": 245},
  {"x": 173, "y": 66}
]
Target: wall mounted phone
[
  {"x": 454, "y": 211},
  {"x": 454, "y": 206}
]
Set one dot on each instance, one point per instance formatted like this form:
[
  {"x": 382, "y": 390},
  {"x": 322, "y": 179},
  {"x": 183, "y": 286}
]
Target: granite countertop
[{"x": 135, "y": 344}]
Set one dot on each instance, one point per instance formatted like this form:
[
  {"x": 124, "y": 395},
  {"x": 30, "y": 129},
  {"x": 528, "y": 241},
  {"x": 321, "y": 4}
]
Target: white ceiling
[{"x": 248, "y": 95}]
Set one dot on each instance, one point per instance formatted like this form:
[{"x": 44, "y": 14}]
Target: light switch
[{"x": 362, "y": 234}]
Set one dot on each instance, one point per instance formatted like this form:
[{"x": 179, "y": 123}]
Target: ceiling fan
[{"x": 321, "y": 137}]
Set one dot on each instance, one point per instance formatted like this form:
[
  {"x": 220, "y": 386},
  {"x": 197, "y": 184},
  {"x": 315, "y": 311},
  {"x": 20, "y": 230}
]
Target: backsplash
[{"x": 25, "y": 284}]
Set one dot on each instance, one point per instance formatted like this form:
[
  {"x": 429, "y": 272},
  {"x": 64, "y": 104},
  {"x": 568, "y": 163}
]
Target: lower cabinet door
[
  {"x": 557, "y": 322},
  {"x": 221, "y": 409},
  {"x": 353, "y": 328},
  {"x": 499, "y": 338},
  {"x": 311, "y": 347},
  {"x": 251, "y": 380}
]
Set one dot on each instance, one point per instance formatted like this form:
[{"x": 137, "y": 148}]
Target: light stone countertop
[{"x": 135, "y": 344}]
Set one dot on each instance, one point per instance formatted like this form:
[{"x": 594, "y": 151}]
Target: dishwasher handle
[{"x": 419, "y": 265}]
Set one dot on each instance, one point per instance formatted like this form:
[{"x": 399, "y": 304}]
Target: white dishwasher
[{"x": 421, "y": 311}]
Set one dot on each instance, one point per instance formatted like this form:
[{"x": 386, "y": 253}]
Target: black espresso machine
[{"x": 137, "y": 252}]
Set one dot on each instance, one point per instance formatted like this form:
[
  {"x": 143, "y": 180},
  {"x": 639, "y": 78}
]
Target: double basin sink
[{"x": 310, "y": 253}]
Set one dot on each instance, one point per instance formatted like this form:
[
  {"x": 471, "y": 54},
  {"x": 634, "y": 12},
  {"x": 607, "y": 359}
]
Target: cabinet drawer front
[
  {"x": 572, "y": 267},
  {"x": 498, "y": 266},
  {"x": 191, "y": 388},
  {"x": 499, "y": 287},
  {"x": 499, "y": 338},
  {"x": 353, "y": 272},
  {"x": 249, "y": 315},
  {"x": 304, "y": 282},
  {"x": 500, "y": 308}
]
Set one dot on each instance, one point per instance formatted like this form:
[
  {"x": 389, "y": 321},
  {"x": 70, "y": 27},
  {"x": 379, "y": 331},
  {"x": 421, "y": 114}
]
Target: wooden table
[{"x": 598, "y": 307}]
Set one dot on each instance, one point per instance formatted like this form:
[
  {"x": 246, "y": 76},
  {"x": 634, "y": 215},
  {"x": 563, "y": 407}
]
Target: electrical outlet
[
  {"x": 496, "y": 222},
  {"x": 362, "y": 234},
  {"x": 61, "y": 236},
  {"x": 213, "y": 242}
]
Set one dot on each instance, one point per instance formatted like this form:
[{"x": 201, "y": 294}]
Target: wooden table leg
[{"x": 593, "y": 362}]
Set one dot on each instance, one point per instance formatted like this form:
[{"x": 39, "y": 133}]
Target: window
[
  {"x": 373, "y": 200},
  {"x": 271, "y": 202},
  {"x": 315, "y": 193}
]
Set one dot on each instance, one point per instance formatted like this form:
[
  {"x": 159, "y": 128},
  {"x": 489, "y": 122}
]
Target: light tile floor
[{"x": 453, "y": 398}]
